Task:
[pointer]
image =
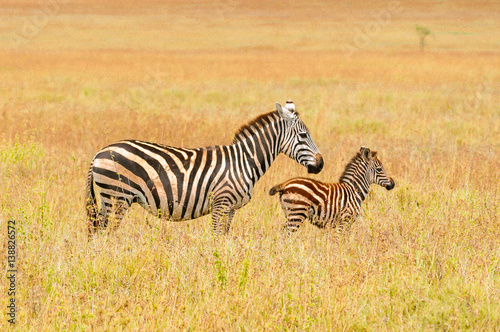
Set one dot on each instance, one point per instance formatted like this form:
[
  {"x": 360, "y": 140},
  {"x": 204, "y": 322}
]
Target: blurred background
[{"x": 418, "y": 81}]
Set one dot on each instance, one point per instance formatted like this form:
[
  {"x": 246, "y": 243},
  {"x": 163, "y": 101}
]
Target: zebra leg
[
  {"x": 295, "y": 218},
  {"x": 293, "y": 223},
  {"x": 351, "y": 221},
  {"x": 344, "y": 224},
  {"x": 93, "y": 217},
  {"x": 295, "y": 212},
  {"x": 102, "y": 219},
  {"x": 119, "y": 209},
  {"x": 340, "y": 226},
  {"x": 221, "y": 216},
  {"x": 337, "y": 225},
  {"x": 112, "y": 208},
  {"x": 230, "y": 216}
]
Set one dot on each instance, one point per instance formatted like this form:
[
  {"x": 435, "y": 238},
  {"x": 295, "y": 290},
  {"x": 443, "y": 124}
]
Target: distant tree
[{"x": 422, "y": 32}]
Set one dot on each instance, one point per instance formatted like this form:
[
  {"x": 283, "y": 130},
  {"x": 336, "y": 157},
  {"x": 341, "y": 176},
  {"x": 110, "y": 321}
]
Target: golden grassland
[{"x": 425, "y": 255}]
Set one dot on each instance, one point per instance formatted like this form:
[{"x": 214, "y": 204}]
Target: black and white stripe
[
  {"x": 181, "y": 184},
  {"x": 334, "y": 204}
]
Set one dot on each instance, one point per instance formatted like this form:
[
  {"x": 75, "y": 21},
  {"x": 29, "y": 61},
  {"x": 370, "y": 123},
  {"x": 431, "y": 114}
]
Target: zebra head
[
  {"x": 375, "y": 172},
  {"x": 297, "y": 142}
]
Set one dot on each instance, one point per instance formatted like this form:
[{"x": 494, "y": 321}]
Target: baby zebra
[{"x": 336, "y": 204}]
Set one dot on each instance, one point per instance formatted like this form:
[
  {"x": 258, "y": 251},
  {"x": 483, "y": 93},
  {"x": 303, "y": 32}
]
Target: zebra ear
[
  {"x": 284, "y": 112},
  {"x": 365, "y": 153}
]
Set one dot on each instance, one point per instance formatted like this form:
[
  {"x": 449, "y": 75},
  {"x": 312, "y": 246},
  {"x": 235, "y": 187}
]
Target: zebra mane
[
  {"x": 257, "y": 123},
  {"x": 353, "y": 165}
]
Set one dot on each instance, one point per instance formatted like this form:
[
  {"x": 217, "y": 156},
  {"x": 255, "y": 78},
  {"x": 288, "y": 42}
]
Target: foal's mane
[{"x": 353, "y": 163}]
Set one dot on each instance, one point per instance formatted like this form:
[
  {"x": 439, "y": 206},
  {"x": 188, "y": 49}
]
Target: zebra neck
[
  {"x": 358, "y": 181},
  {"x": 259, "y": 143},
  {"x": 363, "y": 189},
  {"x": 360, "y": 189},
  {"x": 256, "y": 155}
]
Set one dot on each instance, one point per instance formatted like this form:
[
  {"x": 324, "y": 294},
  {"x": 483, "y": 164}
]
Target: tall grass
[{"x": 425, "y": 255}]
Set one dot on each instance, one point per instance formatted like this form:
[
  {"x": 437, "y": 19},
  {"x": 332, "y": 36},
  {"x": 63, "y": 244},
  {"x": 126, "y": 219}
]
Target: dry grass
[{"x": 423, "y": 256}]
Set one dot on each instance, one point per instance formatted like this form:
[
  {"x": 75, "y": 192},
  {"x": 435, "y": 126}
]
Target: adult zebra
[
  {"x": 181, "y": 184},
  {"x": 336, "y": 204}
]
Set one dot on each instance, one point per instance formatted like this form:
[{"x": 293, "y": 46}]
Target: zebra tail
[
  {"x": 278, "y": 188},
  {"x": 90, "y": 203}
]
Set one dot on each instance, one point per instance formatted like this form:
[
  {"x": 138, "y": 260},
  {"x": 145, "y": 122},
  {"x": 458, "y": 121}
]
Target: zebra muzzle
[
  {"x": 391, "y": 185},
  {"x": 315, "y": 169}
]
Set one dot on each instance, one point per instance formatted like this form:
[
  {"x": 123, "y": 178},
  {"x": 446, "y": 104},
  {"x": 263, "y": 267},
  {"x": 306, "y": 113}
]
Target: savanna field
[{"x": 76, "y": 76}]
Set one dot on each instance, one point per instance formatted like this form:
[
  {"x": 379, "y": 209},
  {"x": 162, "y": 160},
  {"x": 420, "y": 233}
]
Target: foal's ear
[{"x": 365, "y": 153}]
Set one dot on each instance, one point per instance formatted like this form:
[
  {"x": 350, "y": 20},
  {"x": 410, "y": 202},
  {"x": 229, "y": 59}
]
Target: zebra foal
[
  {"x": 333, "y": 204},
  {"x": 181, "y": 184}
]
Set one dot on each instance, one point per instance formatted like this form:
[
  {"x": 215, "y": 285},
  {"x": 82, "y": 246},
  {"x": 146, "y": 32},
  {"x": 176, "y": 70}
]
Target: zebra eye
[
  {"x": 379, "y": 169},
  {"x": 303, "y": 135}
]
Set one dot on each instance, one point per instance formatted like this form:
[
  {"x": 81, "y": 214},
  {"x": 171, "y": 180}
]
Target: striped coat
[
  {"x": 334, "y": 204},
  {"x": 181, "y": 184}
]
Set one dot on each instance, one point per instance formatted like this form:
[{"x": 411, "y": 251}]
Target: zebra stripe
[
  {"x": 181, "y": 184},
  {"x": 334, "y": 204}
]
